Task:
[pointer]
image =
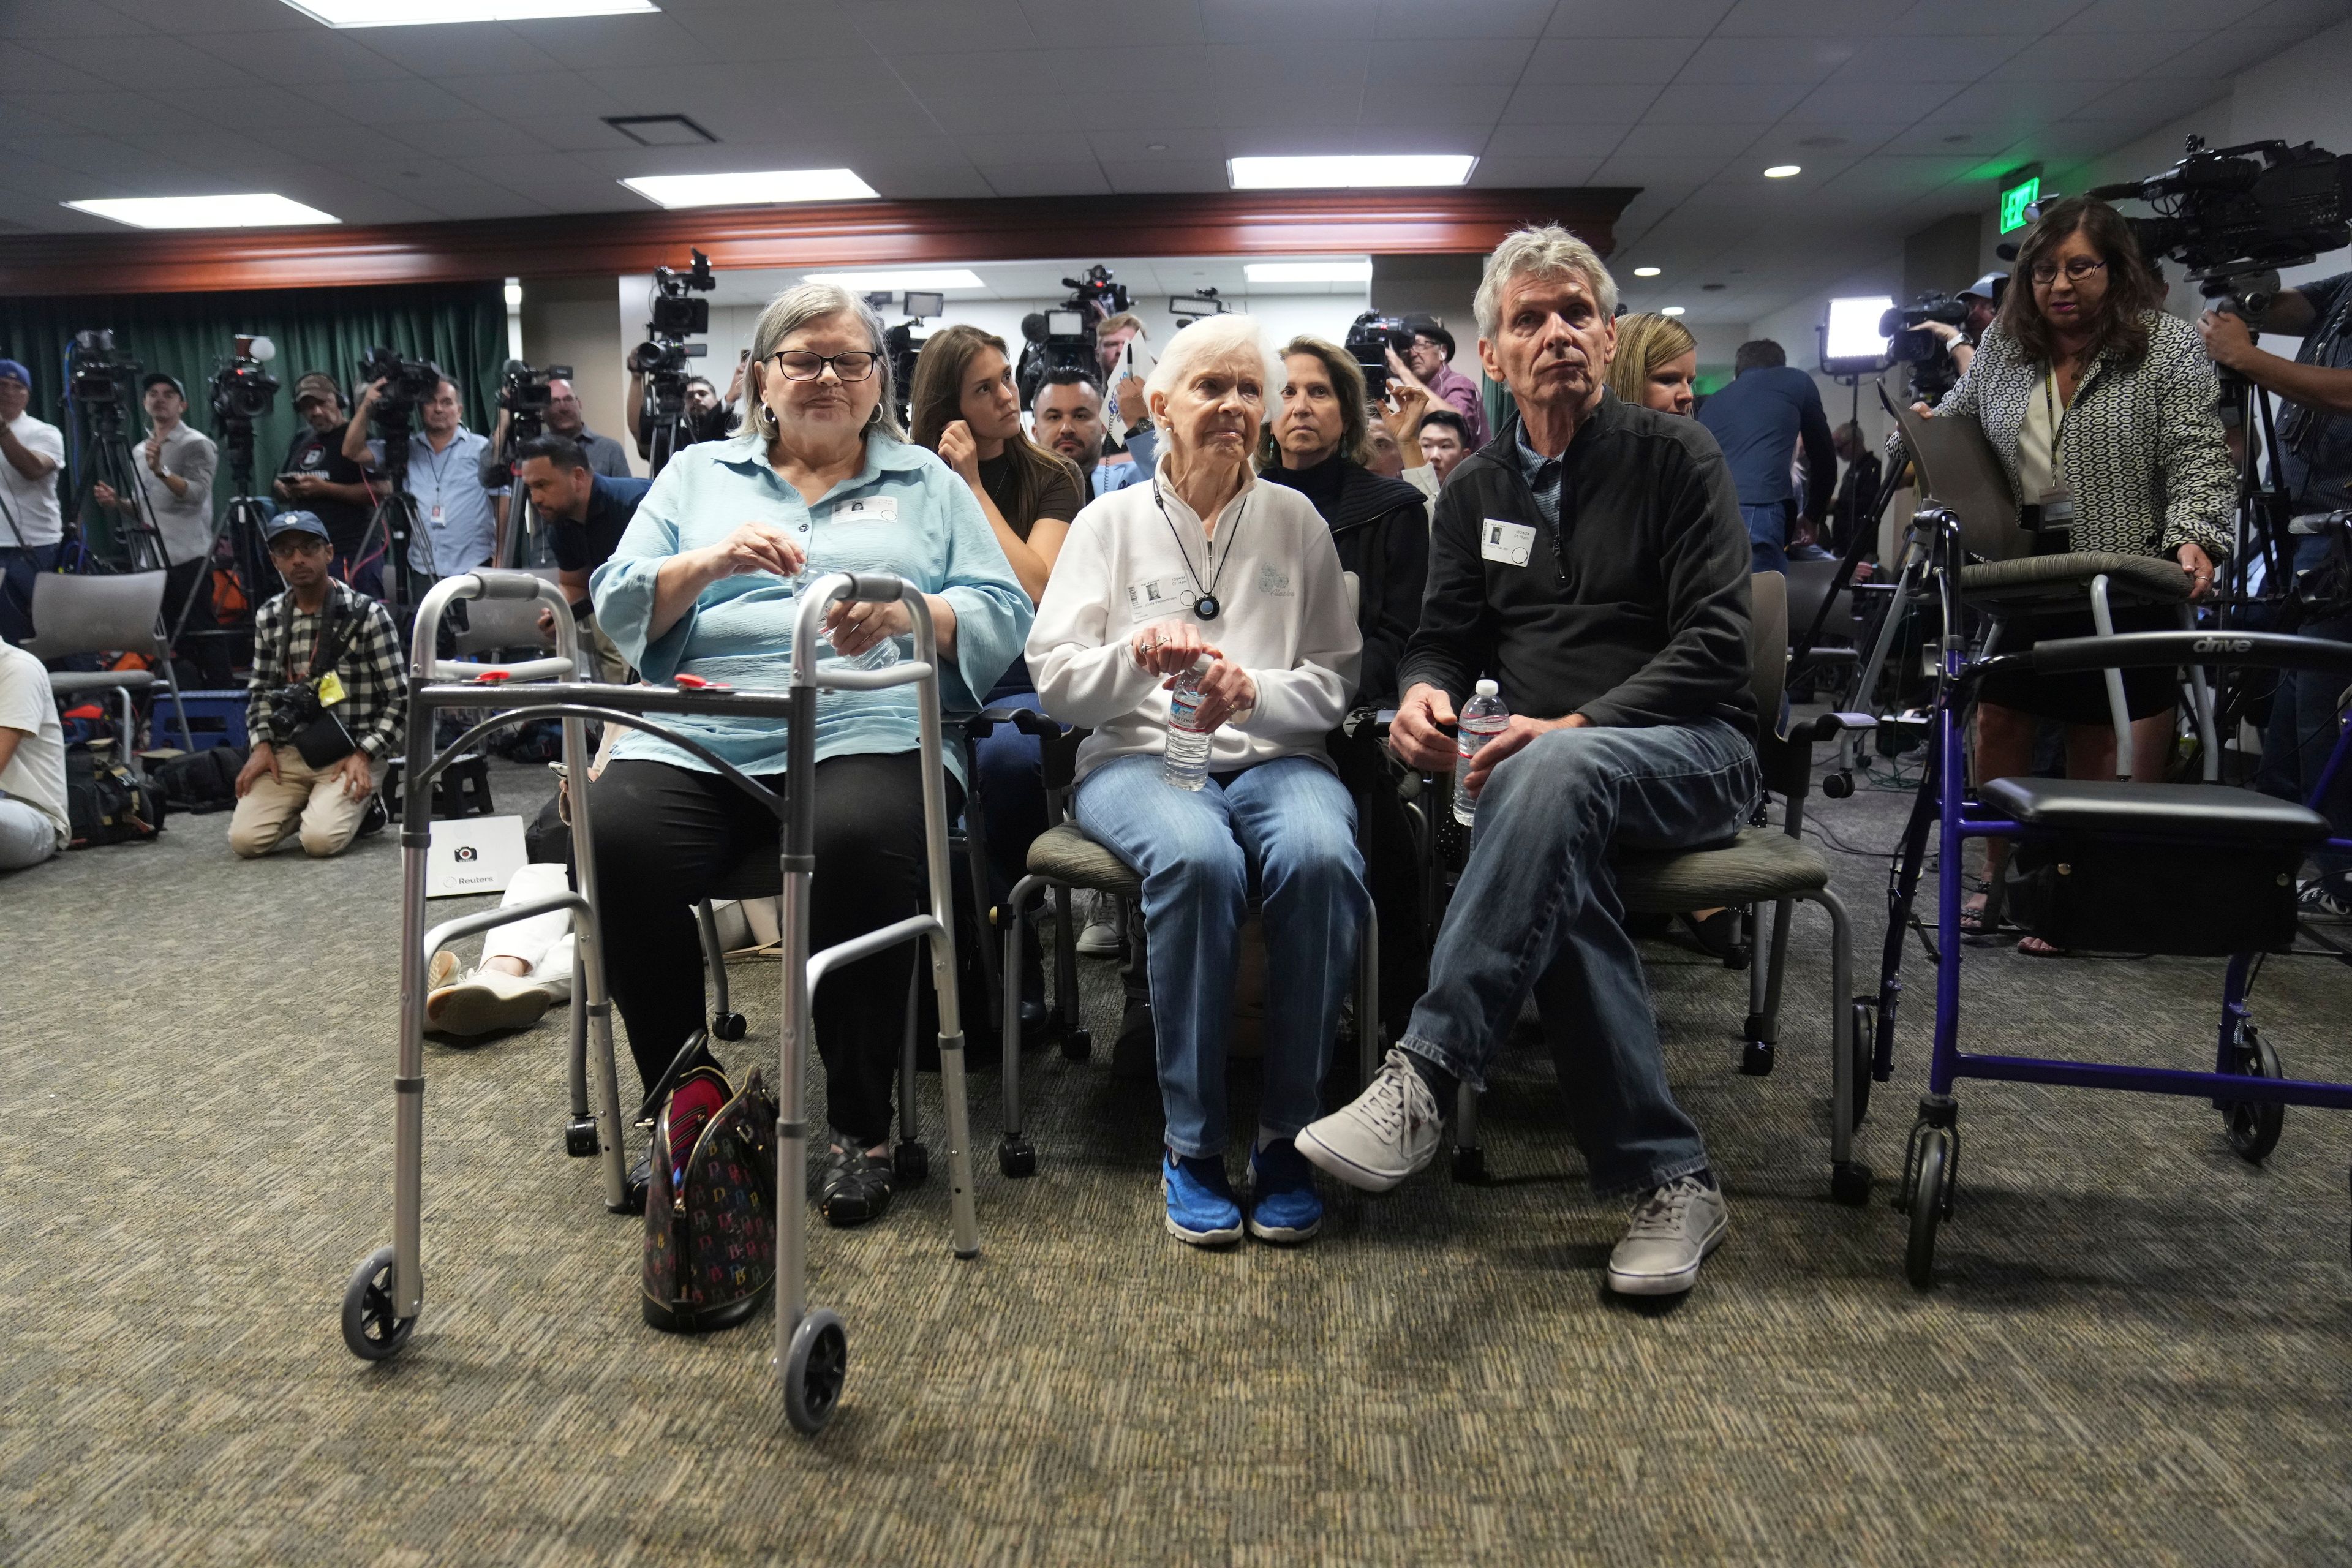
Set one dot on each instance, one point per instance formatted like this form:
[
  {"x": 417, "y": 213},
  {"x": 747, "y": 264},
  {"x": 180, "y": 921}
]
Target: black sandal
[{"x": 853, "y": 1187}]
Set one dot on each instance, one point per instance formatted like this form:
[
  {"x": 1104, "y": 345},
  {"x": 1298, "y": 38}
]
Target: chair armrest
[{"x": 1824, "y": 727}]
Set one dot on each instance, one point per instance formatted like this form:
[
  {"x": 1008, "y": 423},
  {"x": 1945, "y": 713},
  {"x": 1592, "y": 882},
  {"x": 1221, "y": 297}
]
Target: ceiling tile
[
  {"x": 1649, "y": 19},
  {"x": 1624, "y": 170},
  {"x": 29, "y": 76},
  {"x": 1671, "y": 139},
  {"x": 1724, "y": 103},
  {"x": 943, "y": 27},
  {"x": 1840, "y": 100},
  {"x": 1287, "y": 21},
  {"x": 1045, "y": 179},
  {"x": 1563, "y": 141},
  {"x": 150, "y": 64},
  {"x": 29, "y": 20},
  {"x": 1134, "y": 23},
  {"x": 2110, "y": 18},
  {"x": 1779, "y": 59},
  {"x": 1166, "y": 173},
  {"x": 2227, "y": 53},
  {"x": 210, "y": 18},
  {"x": 1608, "y": 60},
  {"x": 764, "y": 30},
  {"x": 314, "y": 53},
  {"x": 2304, "y": 16},
  {"x": 625, "y": 41},
  {"x": 476, "y": 48},
  {"x": 1936, "y": 59},
  {"x": 1534, "y": 173},
  {"x": 1455, "y": 19},
  {"x": 2118, "y": 57},
  {"x": 1430, "y": 63},
  {"x": 1579, "y": 105},
  {"x": 526, "y": 94},
  {"x": 1778, "y": 18}
]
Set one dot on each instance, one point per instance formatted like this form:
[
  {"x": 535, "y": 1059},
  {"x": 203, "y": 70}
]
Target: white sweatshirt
[{"x": 1283, "y": 618}]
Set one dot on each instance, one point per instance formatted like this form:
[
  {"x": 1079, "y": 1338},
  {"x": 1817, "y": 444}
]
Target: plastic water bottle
[
  {"x": 1483, "y": 717},
  {"x": 881, "y": 655},
  {"x": 1187, "y": 763}
]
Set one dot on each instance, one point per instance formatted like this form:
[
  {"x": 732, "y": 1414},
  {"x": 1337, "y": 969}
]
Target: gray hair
[
  {"x": 1205, "y": 342},
  {"x": 790, "y": 310},
  {"x": 1547, "y": 252}
]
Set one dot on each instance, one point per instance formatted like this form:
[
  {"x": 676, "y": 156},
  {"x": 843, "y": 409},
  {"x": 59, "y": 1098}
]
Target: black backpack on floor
[
  {"x": 202, "y": 781},
  {"x": 110, "y": 802}
]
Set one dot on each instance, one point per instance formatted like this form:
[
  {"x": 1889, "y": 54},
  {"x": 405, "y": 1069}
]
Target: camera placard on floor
[{"x": 472, "y": 856}]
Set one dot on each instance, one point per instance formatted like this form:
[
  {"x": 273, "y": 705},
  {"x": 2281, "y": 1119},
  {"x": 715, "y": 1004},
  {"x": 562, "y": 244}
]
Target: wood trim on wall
[{"x": 1249, "y": 223}]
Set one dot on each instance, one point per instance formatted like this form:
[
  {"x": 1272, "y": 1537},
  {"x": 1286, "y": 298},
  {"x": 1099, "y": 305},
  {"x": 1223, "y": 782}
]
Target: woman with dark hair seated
[
  {"x": 706, "y": 581},
  {"x": 2098, "y": 403}
]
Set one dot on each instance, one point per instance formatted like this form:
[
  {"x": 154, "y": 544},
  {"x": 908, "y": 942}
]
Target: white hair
[
  {"x": 1208, "y": 341},
  {"x": 795, "y": 308},
  {"x": 1547, "y": 252}
]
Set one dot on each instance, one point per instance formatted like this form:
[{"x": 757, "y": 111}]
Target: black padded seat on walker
[
  {"x": 2063, "y": 580},
  {"x": 2205, "y": 813},
  {"x": 1761, "y": 866},
  {"x": 1066, "y": 855}
]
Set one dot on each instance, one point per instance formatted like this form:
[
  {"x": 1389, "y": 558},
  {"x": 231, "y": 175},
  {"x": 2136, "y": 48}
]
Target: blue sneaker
[
  {"x": 1200, "y": 1207},
  {"x": 1283, "y": 1205}
]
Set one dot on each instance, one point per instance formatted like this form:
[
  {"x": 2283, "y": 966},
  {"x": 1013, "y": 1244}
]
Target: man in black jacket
[{"x": 1593, "y": 560}]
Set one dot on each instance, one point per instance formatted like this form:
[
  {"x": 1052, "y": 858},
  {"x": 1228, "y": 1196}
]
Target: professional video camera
[
  {"x": 904, "y": 342},
  {"x": 1369, "y": 338},
  {"x": 1064, "y": 337},
  {"x": 2233, "y": 216},
  {"x": 1933, "y": 371},
  {"x": 1189, "y": 308},
  {"x": 524, "y": 394},
  {"x": 243, "y": 390},
  {"x": 406, "y": 383},
  {"x": 663, "y": 426},
  {"x": 98, "y": 376}
]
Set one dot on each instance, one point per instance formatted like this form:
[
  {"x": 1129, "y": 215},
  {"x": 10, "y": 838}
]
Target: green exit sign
[{"x": 2016, "y": 202}]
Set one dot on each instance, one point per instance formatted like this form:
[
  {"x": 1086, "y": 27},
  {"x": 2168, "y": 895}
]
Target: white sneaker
[
  {"x": 484, "y": 1000},
  {"x": 1672, "y": 1232},
  {"x": 1383, "y": 1135},
  {"x": 1096, "y": 915}
]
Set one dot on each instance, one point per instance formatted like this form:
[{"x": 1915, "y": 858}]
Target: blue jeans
[
  {"x": 1286, "y": 827},
  {"x": 1538, "y": 909},
  {"x": 1009, "y": 776},
  {"x": 18, "y": 570},
  {"x": 1767, "y": 536},
  {"x": 2302, "y": 730}
]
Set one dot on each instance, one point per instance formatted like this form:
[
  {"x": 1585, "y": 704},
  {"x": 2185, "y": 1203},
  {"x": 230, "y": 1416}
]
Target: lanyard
[
  {"x": 1207, "y": 606},
  {"x": 2058, "y": 415}
]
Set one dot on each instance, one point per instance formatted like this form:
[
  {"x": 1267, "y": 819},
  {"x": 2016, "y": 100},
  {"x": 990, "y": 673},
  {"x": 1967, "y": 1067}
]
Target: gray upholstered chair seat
[
  {"x": 2065, "y": 579},
  {"x": 1762, "y": 865},
  {"x": 1067, "y": 856}
]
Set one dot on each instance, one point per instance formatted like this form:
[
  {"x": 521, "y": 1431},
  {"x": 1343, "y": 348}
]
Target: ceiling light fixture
[
  {"x": 1670, "y": 310},
  {"x": 1309, "y": 271},
  {"x": 1341, "y": 173},
  {"x": 1647, "y": 271},
  {"x": 260, "y": 209},
  {"x": 756, "y": 188},
  {"x": 886, "y": 282},
  {"x": 1783, "y": 171},
  {"x": 413, "y": 12}
]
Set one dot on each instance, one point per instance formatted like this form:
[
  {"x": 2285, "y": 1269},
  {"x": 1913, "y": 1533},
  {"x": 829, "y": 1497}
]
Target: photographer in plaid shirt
[{"x": 329, "y": 703}]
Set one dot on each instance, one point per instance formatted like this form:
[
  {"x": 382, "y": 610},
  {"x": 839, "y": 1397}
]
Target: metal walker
[{"x": 386, "y": 1293}]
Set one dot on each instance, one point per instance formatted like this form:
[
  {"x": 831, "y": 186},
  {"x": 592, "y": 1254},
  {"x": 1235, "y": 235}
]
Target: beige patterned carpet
[{"x": 2138, "y": 1353}]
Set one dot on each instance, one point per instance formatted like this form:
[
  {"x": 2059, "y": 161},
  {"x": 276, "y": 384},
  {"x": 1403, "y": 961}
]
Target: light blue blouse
[{"x": 906, "y": 512}]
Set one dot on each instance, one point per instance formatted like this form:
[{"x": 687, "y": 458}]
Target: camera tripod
[
  {"x": 110, "y": 460},
  {"x": 395, "y": 520},
  {"x": 245, "y": 525}
]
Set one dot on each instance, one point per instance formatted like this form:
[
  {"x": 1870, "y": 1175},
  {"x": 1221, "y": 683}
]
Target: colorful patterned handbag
[{"x": 710, "y": 1205}]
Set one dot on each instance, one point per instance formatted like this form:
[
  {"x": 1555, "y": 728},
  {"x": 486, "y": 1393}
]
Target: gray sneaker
[
  {"x": 1383, "y": 1135},
  {"x": 1096, "y": 918},
  {"x": 1672, "y": 1232}
]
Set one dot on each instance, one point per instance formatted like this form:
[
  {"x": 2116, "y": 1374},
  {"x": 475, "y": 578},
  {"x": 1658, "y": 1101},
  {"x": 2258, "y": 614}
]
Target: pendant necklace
[{"x": 1208, "y": 606}]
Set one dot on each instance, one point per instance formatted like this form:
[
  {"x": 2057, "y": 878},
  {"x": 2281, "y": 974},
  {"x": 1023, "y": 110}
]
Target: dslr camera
[
  {"x": 1933, "y": 371},
  {"x": 1369, "y": 338},
  {"x": 1064, "y": 337},
  {"x": 406, "y": 382},
  {"x": 317, "y": 734}
]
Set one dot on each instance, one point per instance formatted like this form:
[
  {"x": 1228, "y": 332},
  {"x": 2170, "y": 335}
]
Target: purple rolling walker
[{"x": 2106, "y": 865}]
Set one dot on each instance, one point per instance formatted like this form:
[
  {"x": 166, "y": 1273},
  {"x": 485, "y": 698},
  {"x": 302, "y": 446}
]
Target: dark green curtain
[{"x": 461, "y": 327}]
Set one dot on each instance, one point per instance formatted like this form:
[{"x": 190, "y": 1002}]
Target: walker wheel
[
  {"x": 727, "y": 1027},
  {"x": 814, "y": 1368},
  {"x": 580, "y": 1138},
  {"x": 1077, "y": 1045},
  {"x": 2254, "y": 1124},
  {"x": 1757, "y": 1059},
  {"x": 910, "y": 1164},
  {"x": 1016, "y": 1157},
  {"x": 369, "y": 1328},
  {"x": 1838, "y": 786},
  {"x": 1931, "y": 1204},
  {"x": 1849, "y": 1182},
  {"x": 1865, "y": 1053}
]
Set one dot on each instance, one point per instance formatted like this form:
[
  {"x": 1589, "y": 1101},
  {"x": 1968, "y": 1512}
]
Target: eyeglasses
[
  {"x": 2081, "y": 266},
  {"x": 800, "y": 364}
]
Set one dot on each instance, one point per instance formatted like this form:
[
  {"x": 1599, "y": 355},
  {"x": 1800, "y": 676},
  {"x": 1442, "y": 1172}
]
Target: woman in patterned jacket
[{"x": 2091, "y": 395}]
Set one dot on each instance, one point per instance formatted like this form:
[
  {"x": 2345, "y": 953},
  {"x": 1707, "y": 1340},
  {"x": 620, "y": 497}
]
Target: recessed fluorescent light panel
[
  {"x": 1341, "y": 173},
  {"x": 754, "y": 189},
  {"x": 264, "y": 209},
  {"x": 1310, "y": 271},
  {"x": 885, "y": 282},
  {"x": 412, "y": 13}
]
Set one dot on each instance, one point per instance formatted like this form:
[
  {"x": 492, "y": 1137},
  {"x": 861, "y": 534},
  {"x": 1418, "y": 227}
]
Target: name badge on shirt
[
  {"x": 1158, "y": 599},
  {"x": 1509, "y": 543},
  {"x": 866, "y": 509}
]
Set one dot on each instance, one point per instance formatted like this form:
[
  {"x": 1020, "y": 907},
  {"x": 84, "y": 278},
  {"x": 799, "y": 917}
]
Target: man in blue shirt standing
[
  {"x": 1758, "y": 420},
  {"x": 458, "y": 522}
]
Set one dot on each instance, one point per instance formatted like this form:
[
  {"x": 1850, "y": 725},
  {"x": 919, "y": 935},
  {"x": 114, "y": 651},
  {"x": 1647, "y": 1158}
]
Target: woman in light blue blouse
[{"x": 821, "y": 478}]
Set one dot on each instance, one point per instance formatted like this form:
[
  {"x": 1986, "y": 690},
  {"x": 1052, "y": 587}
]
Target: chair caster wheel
[
  {"x": 580, "y": 1138},
  {"x": 814, "y": 1369},
  {"x": 1838, "y": 787},
  {"x": 369, "y": 1328},
  {"x": 1470, "y": 1166},
  {"x": 1849, "y": 1182},
  {"x": 1077, "y": 1045},
  {"x": 727, "y": 1027},
  {"x": 911, "y": 1162},
  {"x": 1016, "y": 1157},
  {"x": 1757, "y": 1058}
]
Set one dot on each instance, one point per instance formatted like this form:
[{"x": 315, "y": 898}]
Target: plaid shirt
[{"x": 375, "y": 682}]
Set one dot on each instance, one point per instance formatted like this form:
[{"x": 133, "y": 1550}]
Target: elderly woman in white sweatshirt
[{"x": 1206, "y": 562}]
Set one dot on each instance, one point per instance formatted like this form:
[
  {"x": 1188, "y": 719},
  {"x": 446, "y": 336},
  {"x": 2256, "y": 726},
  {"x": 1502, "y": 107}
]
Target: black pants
[
  {"x": 666, "y": 836},
  {"x": 201, "y": 643}
]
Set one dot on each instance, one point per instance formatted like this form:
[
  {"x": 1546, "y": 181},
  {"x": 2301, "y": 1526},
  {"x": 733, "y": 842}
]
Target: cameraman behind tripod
[
  {"x": 329, "y": 703},
  {"x": 2315, "y": 472},
  {"x": 176, "y": 464},
  {"x": 460, "y": 526}
]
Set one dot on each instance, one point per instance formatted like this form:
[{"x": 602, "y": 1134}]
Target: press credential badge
[{"x": 1509, "y": 543}]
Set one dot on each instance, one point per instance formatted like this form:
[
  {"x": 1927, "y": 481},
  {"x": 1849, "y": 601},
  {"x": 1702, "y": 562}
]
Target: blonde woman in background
[{"x": 1656, "y": 365}]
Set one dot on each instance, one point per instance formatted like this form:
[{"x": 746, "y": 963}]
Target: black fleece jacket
[
  {"x": 1633, "y": 612},
  {"x": 1380, "y": 529}
]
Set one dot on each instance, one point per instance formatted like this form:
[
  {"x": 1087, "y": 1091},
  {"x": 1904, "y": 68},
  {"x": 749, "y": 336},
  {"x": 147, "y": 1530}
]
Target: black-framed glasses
[
  {"x": 801, "y": 364},
  {"x": 2081, "y": 266}
]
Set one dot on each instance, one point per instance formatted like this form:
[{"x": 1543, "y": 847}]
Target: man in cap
[
  {"x": 1431, "y": 360},
  {"x": 176, "y": 466},
  {"x": 1983, "y": 300},
  {"x": 318, "y": 479},
  {"x": 32, "y": 452},
  {"x": 328, "y": 704}
]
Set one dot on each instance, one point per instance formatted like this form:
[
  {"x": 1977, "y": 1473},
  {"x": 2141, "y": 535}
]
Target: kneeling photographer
[
  {"x": 588, "y": 513},
  {"x": 326, "y": 706},
  {"x": 2315, "y": 472}
]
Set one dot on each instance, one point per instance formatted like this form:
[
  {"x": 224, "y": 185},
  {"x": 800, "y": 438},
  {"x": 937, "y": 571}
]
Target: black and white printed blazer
[{"x": 2142, "y": 447}]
